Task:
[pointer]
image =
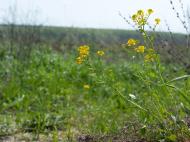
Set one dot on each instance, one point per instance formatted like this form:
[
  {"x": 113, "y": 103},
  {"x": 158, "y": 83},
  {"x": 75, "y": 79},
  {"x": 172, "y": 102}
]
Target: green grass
[
  {"x": 42, "y": 94},
  {"x": 44, "y": 97}
]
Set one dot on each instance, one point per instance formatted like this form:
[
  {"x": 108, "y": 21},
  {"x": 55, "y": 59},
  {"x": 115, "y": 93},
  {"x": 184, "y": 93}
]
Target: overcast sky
[{"x": 90, "y": 13}]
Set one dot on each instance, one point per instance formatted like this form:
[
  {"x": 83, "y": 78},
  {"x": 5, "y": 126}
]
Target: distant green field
[{"x": 172, "y": 47}]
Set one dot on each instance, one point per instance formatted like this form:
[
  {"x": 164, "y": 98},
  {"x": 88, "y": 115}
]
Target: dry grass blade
[{"x": 179, "y": 78}]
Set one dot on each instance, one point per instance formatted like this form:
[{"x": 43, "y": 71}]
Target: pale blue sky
[{"x": 90, "y": 13}]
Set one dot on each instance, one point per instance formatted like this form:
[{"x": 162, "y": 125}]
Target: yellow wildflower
[
  {"x": 83, "y": 51},
  {"x": 131, "y": 42},
  {"x": 150, "y": 11},
  {"x": 141, "y": 22},
  {"x": 86, "y": 86},
  {"x": 79, "y": 60},
  {"x": 84, "y": 47},
  {"x": 100, "y": 53},
  {"x": 140, "y": 49},
  {"x": 134, "y": 17},
  {"x": 157, "y": 21},
  {"x": 140, "y": 12}
]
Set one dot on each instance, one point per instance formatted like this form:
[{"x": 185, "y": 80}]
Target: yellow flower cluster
[
  {"x": 157, "y": 21},
  {"x": 131, "y": 42},
  {"x": 140, "y": 49},
  {"x": 83, "y": 54},
  {"x": 150, "y": 11},
  {"x": 140, "y": 17},
  {"x": 79, "y": 60},
  {"x": 100, "y": 53},
  {"x": 83, "y": 51},
  {"x": 150, "y": 54},
  {"x": 140, "y": 12},
  {"x": 134, "y": 42}
]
